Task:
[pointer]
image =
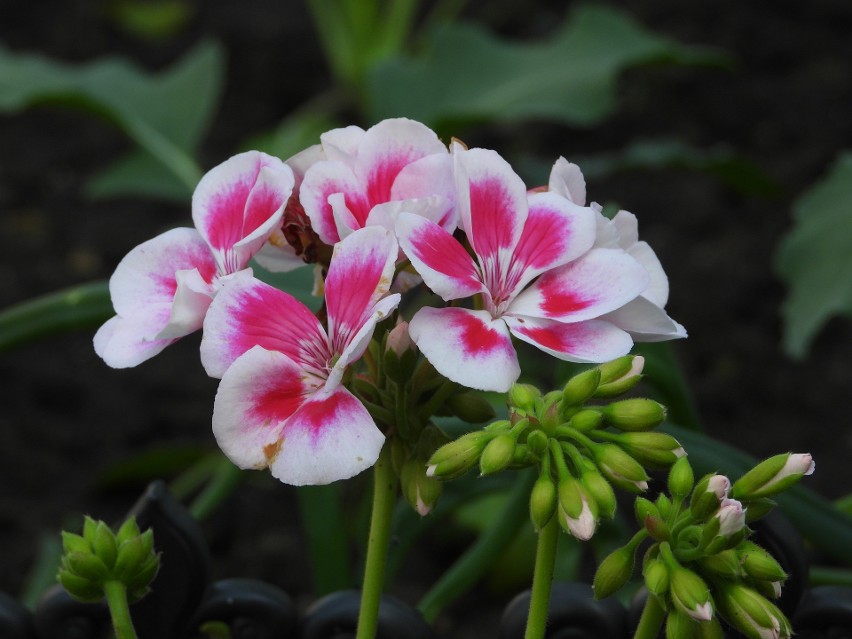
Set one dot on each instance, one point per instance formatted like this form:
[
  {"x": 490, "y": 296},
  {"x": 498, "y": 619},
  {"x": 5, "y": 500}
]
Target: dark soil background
[{"x": 66, "y": 417}]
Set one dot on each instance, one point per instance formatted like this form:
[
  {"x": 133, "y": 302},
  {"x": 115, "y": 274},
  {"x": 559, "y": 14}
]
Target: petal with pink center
[
  {"x": 122, "y": 343},
  {"x": 248, "y": 313},
  {"x": 330, "y": 437},
  {"x": 236, "y": 198},
  {"x": 256, "y": 397},
  {"x": 465, "y": 346},
  {"x": 386, "y": 215},
  {"x": 567, "y": 180},
  {"x": 386, "y": 149},
  {"x": 492, "y": 202},
  {"x": 430, "y": 177},
  {"x": 438, "y": 257},
  {"x": 645, "y": 321},
  {"x": 192, "y": 299},
  {"x": 590, "y": 341},
  {"x": 556, "y": 232},
  {"x": 145, "y": 278},
  {"x": 360, "y": 273},
  {"x": 599, "y": 282},
  {"x": 322, "y": 180},
  {"x": 341, "y": 145}
]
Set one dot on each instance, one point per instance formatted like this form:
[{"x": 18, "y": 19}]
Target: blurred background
[{"x": 713, "y": 122}]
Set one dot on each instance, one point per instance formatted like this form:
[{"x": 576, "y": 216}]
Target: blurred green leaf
[
  {"x": 815, "y": 258},
  {"x": 138, "y": 174},
  {"x": 165, "y": 113},
  {"x": 293, "y": 134},
  {"x": 155, "y": 463},
  {"x": 74, "y": 308},
  {"x": 151, "y": 19},
  {"x": 468, "y": 74}
]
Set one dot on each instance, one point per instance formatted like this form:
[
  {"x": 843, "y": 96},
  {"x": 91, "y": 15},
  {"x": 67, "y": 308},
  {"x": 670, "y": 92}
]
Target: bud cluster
[
  {"x": 701, "y": 564},
  {"x": 582, "y": 449},
  {"x": 100, "y": 556}
]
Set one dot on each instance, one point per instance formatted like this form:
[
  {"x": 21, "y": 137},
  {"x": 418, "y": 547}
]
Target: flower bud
[
  {"x": 690, "y": 594},
  {"x": 457, "y": 457},
  {"x": 635, "y": 414},
  {"x": 725, "y": 564},
  {"x": 617, "y": 368},
  {"x": 103, "y": 543},
  {"x": 625, "y": 382},
  {"x": 497, "y": 454},
  {"x": 470, "y": 408},
  {"x": 664, "y": 505},
  {"x": 758, "y": 563},
  {"x": 581, "y": 387},
  {"x": 420, "y": 491},
  {"x": 613, "y": 572},
  {"x": 620, "y": 468},
  {"x": 751, "y": 613},
  {"x": 523, "y": 397},
  {"x": 681, "y": 626},
  {"x": 400, "y": 357},
  {"x": 657, "y": 528},
  {"x": 656, "y": 450},
  {"x": 726, "y": 528},
  {"x": 542, "y": 501},
  {"x": 601, "y": 492},
  {"x": 708, "y": 494},
  {"x": 586, "y": 419},
  {"x": 538, "y": 442},
  {"x": 656, "y": 576},
  {"x": 644, "y": 508},
  {"x": 681, "y": 478},
  {"x": 577, "y": 510},
  {"x": 773, "y": 476}
]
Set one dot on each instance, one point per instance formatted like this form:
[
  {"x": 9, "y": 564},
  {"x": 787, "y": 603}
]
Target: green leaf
[
  {"x": 74, "y": 308},
  {"x": 467, "y": 74},
  {"x": 293, "y": 134},
  {"x": 138, "y": 174},
  {"x": 815, "y": 259},
  {"x": 165, "y": 113},
  {"x": 816, "y": 518}
]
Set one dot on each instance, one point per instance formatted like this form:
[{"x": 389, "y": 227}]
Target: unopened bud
[
  {"x": 497, "y": 454},
  {"x": 420, "y": 491},
  {"x": 601, "y": 492},
  {"x": 656, "y": 576},
  {"x": 635, "y": 414},
  {"x": 657, "y": 528},
  {"x": 773, "y": 476},
  {"x": 581, "y": 387},
  {"x": 725, "y": 564},
  {"x": 617, "y": 368},
  {"x": 542, "y": 501},
  {"x": 459, "y": 456},
  {"x": 524, "y": 397},
  {"x": 577, "y": 510},
  {"x": 538, "y": 442},
  {"x": 400, "y": 357},
  {"x": 750, "y": 612},
  {"x": 586, "y": 419},
  {"x": 758, "y": 563},
  {"x": 690, "y": 594},
  {"x": 620, "y": 468},
  {"x": 656, "y": 450},
  {"x": 625, "y": 382},
  {"x": 470, "y": 408},
  {"x": 644, "y": 508},
  {"x": 681, "y": 626},
  {"x": 613, "y": 572},
  {"x": 708, "y": 494},
  {"x": 681, "y": 478}
]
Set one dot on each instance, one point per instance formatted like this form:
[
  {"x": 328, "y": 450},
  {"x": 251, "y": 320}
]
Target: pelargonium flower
[
  {"x": 369, "y": 177},
  {"x": 281, "y": 403},
  {"x": 644, "y": 317},
  {"x": 161, "y": 289},
  {"x": 517, "y": 237}
]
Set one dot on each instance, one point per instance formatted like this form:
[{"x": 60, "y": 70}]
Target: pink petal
[
  {"x": 430, "y": 177},
  {"x": 492, "y": 202},
  {"x": 256, "y": 397},
  {"x": 386, "y": 215},
  {"x": 330, "y": 437},
  {"x": 192, "y": 299},
  {"x": 468, "y": 347},
  {"x": 645, "y": 321},
  {"x": 341, "y": 145},
  {"x": 121, "y": 341},
  {"x": 248, "y": 313},
  {"x": 589, "y": 341},
  {"x": 567, "y": 180},
  {"x": 556, "y": 232},
  {"x": 322, "y": 180},
  {"x": 360, "y": 274},
  {"x": 241, "y": 200},
  {"x": 438, "y": 257},
  {"x": 597, "y": 283}
]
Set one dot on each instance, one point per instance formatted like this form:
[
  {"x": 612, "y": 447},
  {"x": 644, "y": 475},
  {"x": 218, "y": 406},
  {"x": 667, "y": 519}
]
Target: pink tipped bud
[
  {"x": 773, "y": 475},
  {"x": 399, "y": 341}
]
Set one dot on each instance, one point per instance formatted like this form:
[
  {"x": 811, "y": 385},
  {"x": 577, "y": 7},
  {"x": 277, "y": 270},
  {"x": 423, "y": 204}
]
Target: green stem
[
  {"x": 437, "y": 400},
  {"x": 323, "y": 520},
  {"x": 545, "y": 558},
  {"x": 651, "y": 620},
  {"x": 826, "y": 576},
  {"x": 116, "y": 596},
  {"x": 385, "y": 484},
  {"x": 222, "y": 484}
]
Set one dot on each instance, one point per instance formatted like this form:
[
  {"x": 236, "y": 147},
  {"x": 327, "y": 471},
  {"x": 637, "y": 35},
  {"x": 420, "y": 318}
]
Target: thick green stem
[
  {"x": 545, "y": 558},
  {"x": 651, "y": 620},
  {"x": 385, "y": 484},
  {"x": 116, "y": 596}
]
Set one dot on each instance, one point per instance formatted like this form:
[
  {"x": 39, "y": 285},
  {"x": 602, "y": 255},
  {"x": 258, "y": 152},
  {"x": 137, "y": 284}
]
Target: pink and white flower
[
  {"x": 369, "y": 177},
  {"x": 161, "y": 290},
  {"x": 517, "y": 238},
  {"x": 644, "y": 317},
  {"x": 281, "y": 403}
]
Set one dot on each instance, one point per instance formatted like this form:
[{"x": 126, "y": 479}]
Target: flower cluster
[{"x": 380, "y": 211}]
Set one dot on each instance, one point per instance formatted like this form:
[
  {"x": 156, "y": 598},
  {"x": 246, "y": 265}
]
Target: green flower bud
[
  {"x": 578, "y": 513},
  {"x": 664, "y": 505},
  {"x": 623, "y": 383},
  {"x": 617, "y": 368},
  {"x": 759, "y": 508},
  {"x": 89, "y": 528},
  {"x": 601, "y": 492},
  {"x": 80, "y": 588},
  {"x": 421, "y": 492},
  {"x": 681, "y": 478},
  {"x": 86, "y": 565},
  {"x": 690, "y": 594},
  {"x": 758, "y": 563},
  {"x": 613, "y": 572},
  {"x": 644, "y": 508},
  {"x": 725, "y": 564},
  {"x": 750, "y": 612},
  {"x": 129, "y": 529},
  {"x": 458, "y": 456},
  {"x": 635, "y": 414},
  {"x": 586, "y": 419},
  {"x": 681, "y": 626},
  {"x": 542, "y": 501},
  {"x": 656, "y": 450},
  {"x": 708, "y": 494},
  {"x": 470, "y": 408},
  {"x": 773, "y": 476},
  {"x": 524, "y": 397},
  {"x": 538, "y": 442},
  {"x": 656, "y": 577},
  {"x": 104, "y": 544},
  {"x": 497, "y": 454},
  {"x": 581, "y": 387},
  {"x": 657, "y": 528},
  {"x": 74, "y": 543},
  {"x": 620, "y": 468}
]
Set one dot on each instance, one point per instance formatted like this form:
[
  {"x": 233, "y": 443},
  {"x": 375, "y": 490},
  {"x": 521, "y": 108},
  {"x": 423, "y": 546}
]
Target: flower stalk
[{"x": 545, "y": 558}]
